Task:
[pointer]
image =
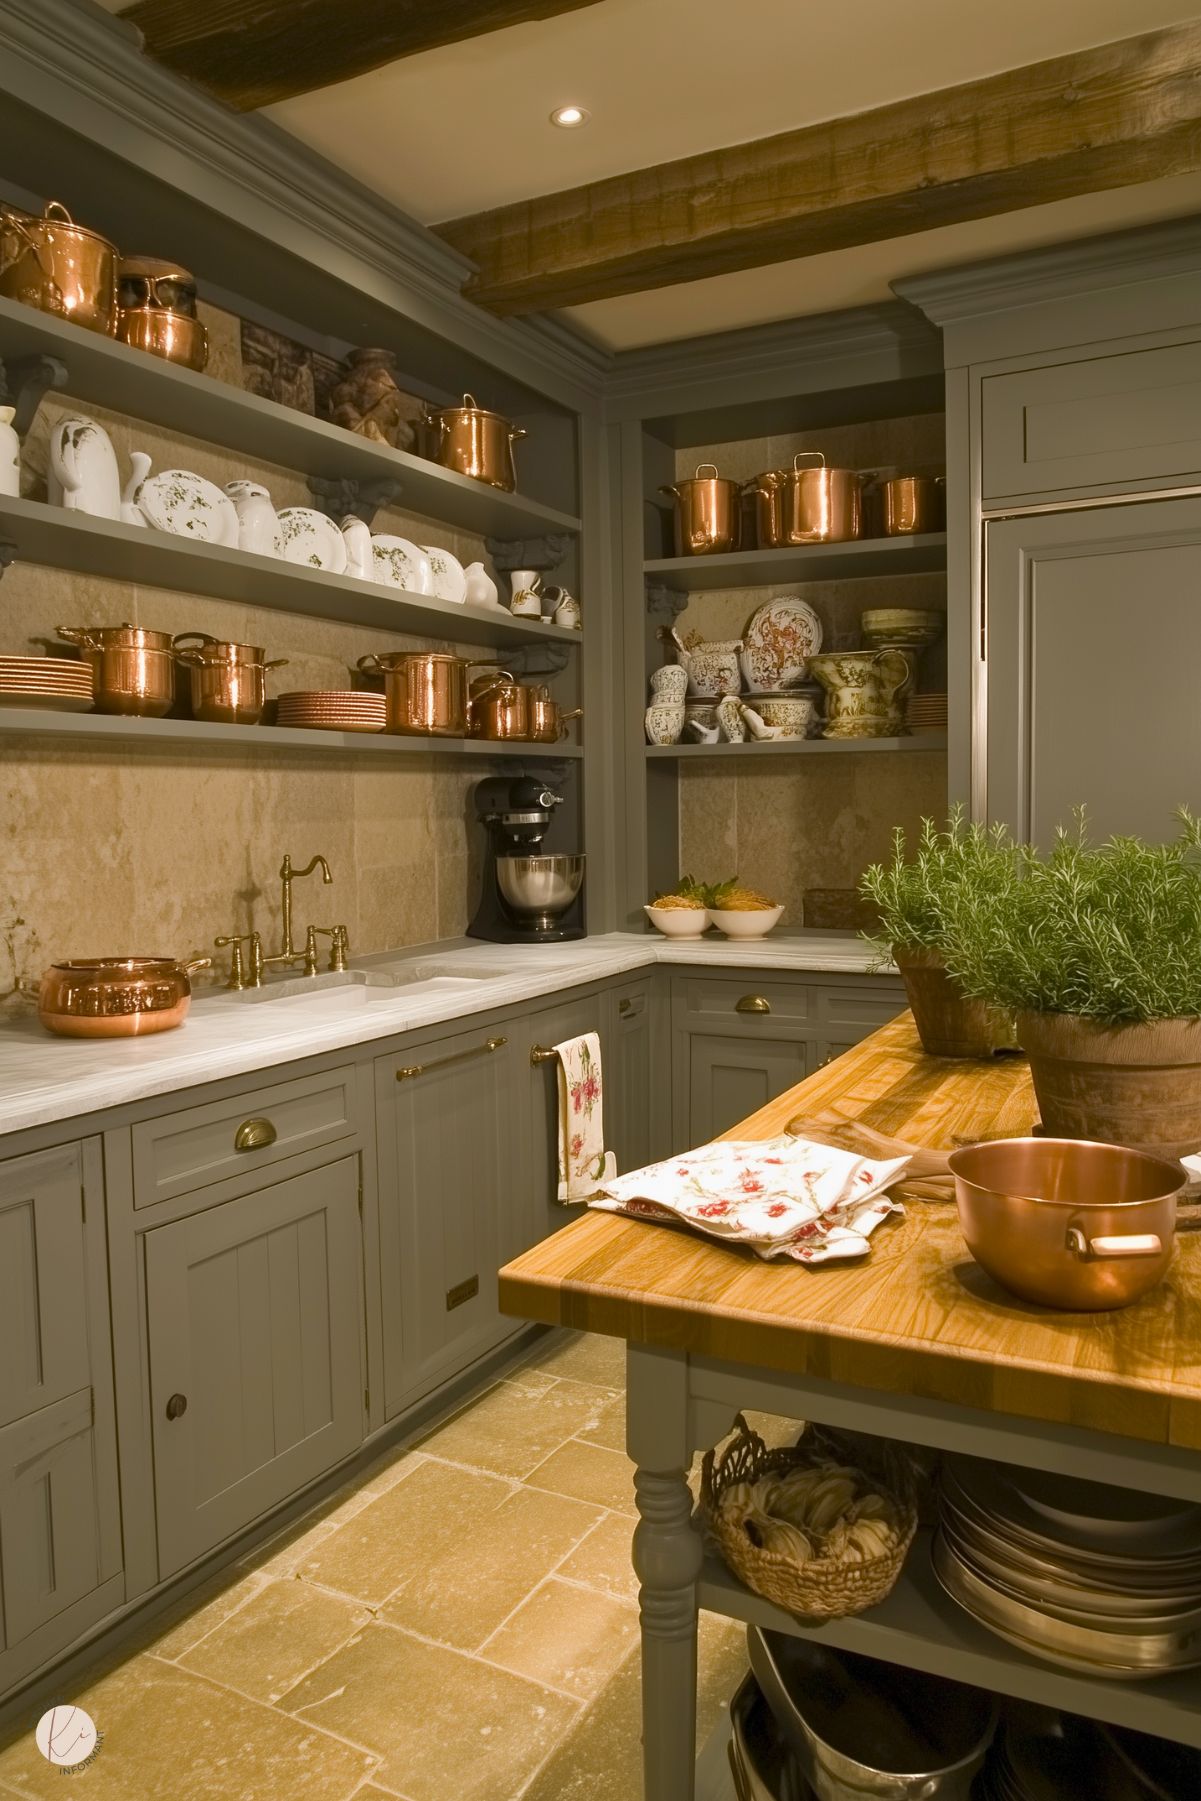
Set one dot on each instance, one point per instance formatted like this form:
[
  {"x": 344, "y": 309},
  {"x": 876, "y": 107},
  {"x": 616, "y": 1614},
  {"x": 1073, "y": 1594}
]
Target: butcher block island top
[{"x": 916, "y": 1317}]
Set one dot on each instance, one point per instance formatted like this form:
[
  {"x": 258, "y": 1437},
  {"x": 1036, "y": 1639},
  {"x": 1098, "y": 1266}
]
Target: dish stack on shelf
[
  {"x": 57, "y": 684},
  {"x": 338, "y": 710},
  {"x": 1099, "y": 1580},
  {"x": 926, "y": 712},
  {"x": 1044, "y": 1756}
]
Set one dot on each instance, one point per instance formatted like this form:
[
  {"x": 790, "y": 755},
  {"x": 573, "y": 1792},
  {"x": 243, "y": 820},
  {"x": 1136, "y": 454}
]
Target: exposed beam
[
  {"x": 250, "y": 53},
  {"x": 1102, "y": 118}
]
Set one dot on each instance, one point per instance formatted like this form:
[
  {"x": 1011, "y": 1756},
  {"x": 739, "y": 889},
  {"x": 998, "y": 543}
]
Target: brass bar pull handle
[
  {"x": 477, "y": 1050},
  {"x": 540, "y": 1053},
  {"x": 753, "y": 1003},
  {"x": 254, "y": 1134}
]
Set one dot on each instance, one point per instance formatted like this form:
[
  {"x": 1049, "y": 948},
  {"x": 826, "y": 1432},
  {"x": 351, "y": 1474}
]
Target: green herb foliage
[
  {"x": 707, "y": 893},
  {"x": 918, "y": 894},
  {"x": 1111, "y": 931}
]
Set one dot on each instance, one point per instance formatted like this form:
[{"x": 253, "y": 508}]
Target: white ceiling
[{"x": 464, "y": 128}]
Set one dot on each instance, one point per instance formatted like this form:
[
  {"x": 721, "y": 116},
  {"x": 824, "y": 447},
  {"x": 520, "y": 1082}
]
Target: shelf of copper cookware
[
  {"x": 61, "y": 539},
  {"x": 103, "y": 372},
  {"x": 267, "y": 737},
  {"x": 849, "y": 561}
]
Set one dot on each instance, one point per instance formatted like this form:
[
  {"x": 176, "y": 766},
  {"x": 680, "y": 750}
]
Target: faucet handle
[
  {"x": 339, "y": 944},
  {"x": 237, "y": 966}
]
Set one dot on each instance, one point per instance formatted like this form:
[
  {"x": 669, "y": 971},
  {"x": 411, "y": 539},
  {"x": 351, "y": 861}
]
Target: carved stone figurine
[{"x": 368, "y": 401}]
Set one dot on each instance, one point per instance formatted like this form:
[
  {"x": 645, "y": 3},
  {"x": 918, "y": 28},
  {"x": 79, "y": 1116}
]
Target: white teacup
[
  {"x": 526, "y": 604},
  {"x": 670, "y": 683},
  {"x": 664, "y": 722}
]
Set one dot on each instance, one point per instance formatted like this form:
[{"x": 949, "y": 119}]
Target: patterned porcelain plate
[
  {"x": 450, "y": 580},
  {"x": 312, "y": 539},
  {"x": 177, "y": 501},
  {"x": 47, "y": 699},
  {"x": 398, "y": 563},
  {"x": 785, "y": 633}
]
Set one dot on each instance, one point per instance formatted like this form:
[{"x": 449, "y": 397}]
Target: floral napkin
[
  {"x": 584, "y": 1163},
  {"x": 785, "y": 1197}
]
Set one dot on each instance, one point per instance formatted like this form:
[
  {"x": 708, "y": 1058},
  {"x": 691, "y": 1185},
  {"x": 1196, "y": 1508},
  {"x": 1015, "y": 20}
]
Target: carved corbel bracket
[
  {"x": 542, "y": 554},
  {"x": 24, "y": 383},
  {"x": 8, "y": 556},
  {"x": 663, "y": 602},
  {"x": 344, "y": 496},
  {"x": 537, "y": 659}
]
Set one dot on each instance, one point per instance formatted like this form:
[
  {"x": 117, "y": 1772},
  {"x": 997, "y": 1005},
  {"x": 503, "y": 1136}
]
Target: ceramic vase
[
  {"x": 258, "y": 523},
  {"x": 670, "y": 683},
  {"x": 482, "y": 591},
  {"x": 664, "y": 723}
]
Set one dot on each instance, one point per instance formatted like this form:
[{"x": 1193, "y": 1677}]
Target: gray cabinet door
[
  {"x": 544, "y": 1213},
  {"x": 254, "y": 1324},
  {"x": 728, "y": 1078},
  {"x": 844, "y": 1017},
  {"x": 452, "y": 1187},
  {"x": 637, "y": 1079},
  {"x": 1094, "y": 667}
]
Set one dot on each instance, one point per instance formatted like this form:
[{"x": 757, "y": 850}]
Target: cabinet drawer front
[
  {"x": 49, "y": 1542},
  {"x": 753, "y": 1000},
  {"x": 185, "y": 1151},
  {"x": 1109, "y": 419},
  {"x": 854, "y": 1012},
  {"x": 43, "y": 1297}
]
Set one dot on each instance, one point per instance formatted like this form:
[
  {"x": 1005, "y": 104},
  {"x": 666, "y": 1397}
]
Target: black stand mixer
[{"x": 527, "y": 898}]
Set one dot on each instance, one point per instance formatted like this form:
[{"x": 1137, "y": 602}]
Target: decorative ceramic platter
[
  {"x": 313, "y": 539},
  {"x": 449, "y": 577},
  {"x": 398, "y": 563},
  {"x": 177, "y": 501},
  {"x": 780, "y": 639}
]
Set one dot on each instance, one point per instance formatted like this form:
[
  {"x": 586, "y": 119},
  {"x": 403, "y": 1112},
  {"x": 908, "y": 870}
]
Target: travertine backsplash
[
  {"x": 791, "y": 823},
  {"x": 157, "y": 849}
]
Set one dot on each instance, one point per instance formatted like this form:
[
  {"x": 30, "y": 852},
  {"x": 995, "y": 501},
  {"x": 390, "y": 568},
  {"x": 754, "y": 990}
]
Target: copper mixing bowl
[
  {"x": 1068, "y": 1223},
  {"x": 116, "y": 997}
]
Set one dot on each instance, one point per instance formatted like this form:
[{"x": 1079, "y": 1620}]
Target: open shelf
[
  {"x": 805, "y": 563},
  {"x": 267, "y": 738},
  {"x": 921, "y": 1628},
  {"x": 802, "y": 747},
  {"x": 111, "y": 374},
  {"x": 84, "y": 545}
]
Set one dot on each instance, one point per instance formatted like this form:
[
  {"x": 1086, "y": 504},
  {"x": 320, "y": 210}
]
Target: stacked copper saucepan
[
  {"x": 432, "y": 694},
  {"x": 134, "y": 672},
  {"x": 502, "y": 709}
]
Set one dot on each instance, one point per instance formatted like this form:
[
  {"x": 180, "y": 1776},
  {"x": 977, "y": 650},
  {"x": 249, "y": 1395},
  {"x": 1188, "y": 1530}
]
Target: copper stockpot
[
  {"x": 425, "y": 692},
  {"x": 474, "y": 442},
  {"x": 116, "y": 997},
  {"x": 910, "y": 504},
  {"x": 229, "y": 681},
  {"x": 548, "y": 721},
  {"x": 708, "y": 513},
  {"x": 807, "y": 506},
  {"x": 175, "y": 337},
  {"x": 56, "y": 265},
  {"x": 500, "y": 708},
  {"x": 133, "y": 670},
  {"x": 1066, "y": 1223}
]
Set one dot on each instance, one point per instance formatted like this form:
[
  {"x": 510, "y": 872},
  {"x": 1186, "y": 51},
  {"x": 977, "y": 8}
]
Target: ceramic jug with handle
[
  {"x": 360, "y": 553},
  {"x": 862, "y": 686},
  {"x": 481, "y": 589},
  {"x": 713, "y": 669},
  {"x": 259, "y": 530},
  {"x": 10, "y": 452},
  {"x": 83, "y": 475}
]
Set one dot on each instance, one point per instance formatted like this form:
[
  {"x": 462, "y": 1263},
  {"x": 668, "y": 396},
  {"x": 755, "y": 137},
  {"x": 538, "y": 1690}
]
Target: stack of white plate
[
  {"x": 926, "y": 712},
  {"x": 343, "y": 710},
  {"x": 60, "y": 684},
  {"x": 1100, "y": 1580}
]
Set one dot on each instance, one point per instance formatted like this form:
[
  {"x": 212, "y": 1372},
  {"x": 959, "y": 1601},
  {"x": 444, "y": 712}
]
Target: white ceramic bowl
[
  {"x": 754, "y": 922},
  {"x": 680, "y": 922}
]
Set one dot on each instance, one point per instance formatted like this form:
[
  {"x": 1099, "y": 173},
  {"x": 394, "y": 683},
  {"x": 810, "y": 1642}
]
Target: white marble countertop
[{"x": 44, "y": 1079}]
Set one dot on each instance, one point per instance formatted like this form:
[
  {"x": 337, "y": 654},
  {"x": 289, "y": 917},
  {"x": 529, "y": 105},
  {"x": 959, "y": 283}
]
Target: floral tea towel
[
  {"x": 785, "y": 1197},
  {"x": 584, "y": 1163}
]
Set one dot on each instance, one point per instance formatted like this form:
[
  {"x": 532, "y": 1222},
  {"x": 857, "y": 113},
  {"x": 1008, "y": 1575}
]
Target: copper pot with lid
[
  {"x": 708, "y": 513},
  {"x": 133, "y": 669},
  {"x": 228, "y": 681},
  {"x": 500, "y": 708},
  {"x": 116, "y": 997},
  {"x": 474, "y": 442},
  {"x": 800, "y": 505},
  {"x": 425, "y": 692},
  {"x": 59, "y": 267}
]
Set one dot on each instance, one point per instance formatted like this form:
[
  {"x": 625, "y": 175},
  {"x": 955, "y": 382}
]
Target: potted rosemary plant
[
  {"x": 1097, "y": 949},
  {"x": 916, "y": 897}
]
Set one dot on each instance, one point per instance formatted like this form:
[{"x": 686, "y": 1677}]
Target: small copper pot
[
  {"x": 500, "y": 708},
  {"x": 176, "y": 337},
  {"x": 708, "y": 513},
  {"x": 548, "y": 721},
  {"x": 911, "y": 504},
  {"x": 116, "y": 997},
  {"x": 229, "y": 681},
  {"x": 425, "y": 692},
  {"x": 133, "y": 670},
  {"x": 59, "y": 267},
  {"x": 1066, "y": 1223},
  {"x": 474, "y": 442}
]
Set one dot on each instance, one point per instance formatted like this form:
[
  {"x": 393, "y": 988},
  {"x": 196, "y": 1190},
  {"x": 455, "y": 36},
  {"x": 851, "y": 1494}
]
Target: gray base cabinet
[
  {"x": 637, "y": 1073},
  {"x": 254, "y": 1323},
  {"x": 540, "y": 1081}
]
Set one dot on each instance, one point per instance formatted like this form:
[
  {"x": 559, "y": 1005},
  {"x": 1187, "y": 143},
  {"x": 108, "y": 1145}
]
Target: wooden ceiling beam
[
  {"x": 251, "y": 53},
  {"x": 1102, "y": 118}
]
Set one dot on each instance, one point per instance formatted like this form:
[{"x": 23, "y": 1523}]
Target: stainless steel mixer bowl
[{"x": 540, "y": 887}]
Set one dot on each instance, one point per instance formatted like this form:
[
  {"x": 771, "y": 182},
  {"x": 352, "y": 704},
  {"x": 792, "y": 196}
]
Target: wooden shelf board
[
  {"x": 921, "y": 1628},
  {"x": 77, "y": 542},
  {"x": 266, "y": 738},
  {"x": 806, "y": 563},
  {"x": 111, "y": 374},
  {"x": 802, "y": 747}
]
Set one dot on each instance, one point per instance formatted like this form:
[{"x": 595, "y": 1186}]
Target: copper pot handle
[
  {"x": 796, "y": 461},
  {"x": 714, "y": 477},
  {"x": 516, "y": 432},
  {"x": 1126, "y": 1244},
  {"x": 370, "y": 664},
  {"x": 194, "y": 963},
  {"x": 202, "y": 638},
  {"x": 56, "y": 207},
  {"x": 81, "y": 636},
  {"x": 670, "y": 488},
  {"x": 276, "y": 663},
  {"x": 17, "y": 224}
]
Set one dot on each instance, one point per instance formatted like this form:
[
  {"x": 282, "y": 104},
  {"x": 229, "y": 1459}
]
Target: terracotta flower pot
[
  {"x": 1136, "y": 1084},
  {"x": 948, "y": 1024}
]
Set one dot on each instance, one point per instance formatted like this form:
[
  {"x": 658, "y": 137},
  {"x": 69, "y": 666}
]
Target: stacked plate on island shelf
[
  {"x": 59, "y": 684},
  {"x": 336, "y": 710},
  {"x": 1046, "y": 1756},
  {"x": 926, "y": 712},
  {"x": 1100, "y": 1580}
]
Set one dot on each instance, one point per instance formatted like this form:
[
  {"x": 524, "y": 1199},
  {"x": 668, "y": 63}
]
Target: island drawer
[
  {"x": 192, "y": 1149},
  {"x": 754, "y": 1000}
]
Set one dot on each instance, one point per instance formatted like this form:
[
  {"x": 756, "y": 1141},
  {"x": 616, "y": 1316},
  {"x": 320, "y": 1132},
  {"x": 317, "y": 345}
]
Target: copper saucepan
[
  {"x": 59, "y": 267},
  {"x": 807, "y": 506},
  {"x": 116, "y": 997},
  {"x": 912, "y": 504},
  {"x": 1068, "y": 1223},
  {"x": 500, "y": 708},
  {"x": 708, "y": 512},
  {"x": 474, "y": 442},
  {"x": 229, "y": 681},
  {"x": 133, "y": 669},
  {"x": 425, "y": 692},
  {"x": 548, "y": 721}
]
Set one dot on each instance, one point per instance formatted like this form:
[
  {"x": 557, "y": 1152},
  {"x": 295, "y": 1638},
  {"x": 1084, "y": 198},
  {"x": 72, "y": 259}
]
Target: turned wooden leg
[{"x": 667, "y": 1558}]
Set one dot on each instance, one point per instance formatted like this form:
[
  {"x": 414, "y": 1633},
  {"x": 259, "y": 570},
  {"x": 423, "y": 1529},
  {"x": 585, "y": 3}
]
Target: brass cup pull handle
[
  {"x": 477, "y": 1050},
  {"x": 177, "y": 1405},
  {"x": 541, "y": 1053},
  {"x": 753, "y": 1003},
  {"x": 254, "y": 1135},
  {"x": 1126, "y": 1244}
]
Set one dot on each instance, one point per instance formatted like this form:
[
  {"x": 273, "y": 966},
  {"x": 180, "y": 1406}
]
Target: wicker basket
[{"x": 824, "y": 1588}]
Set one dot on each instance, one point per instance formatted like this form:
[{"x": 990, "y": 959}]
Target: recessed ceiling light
[{"x": 570, "y": 116}]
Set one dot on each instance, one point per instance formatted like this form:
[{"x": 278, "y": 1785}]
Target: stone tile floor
[{"x": 458, "y": 1624}]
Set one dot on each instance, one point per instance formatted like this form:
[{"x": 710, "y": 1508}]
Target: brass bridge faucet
[{"x": 338, "y": 936}]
